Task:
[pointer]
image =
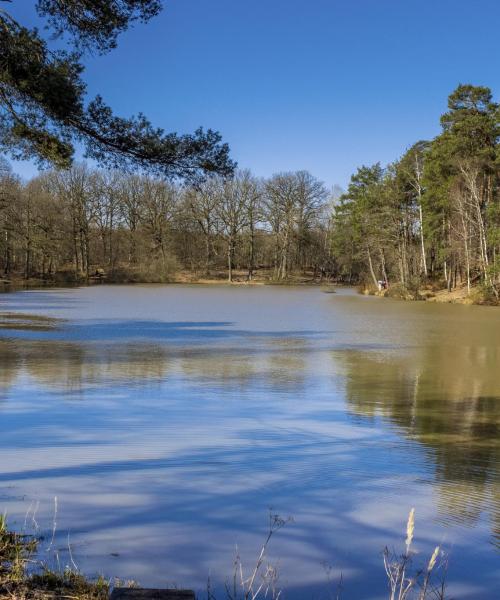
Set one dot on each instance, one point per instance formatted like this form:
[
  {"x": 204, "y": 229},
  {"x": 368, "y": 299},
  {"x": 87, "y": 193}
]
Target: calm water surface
[{"x": 167, "y": 420}]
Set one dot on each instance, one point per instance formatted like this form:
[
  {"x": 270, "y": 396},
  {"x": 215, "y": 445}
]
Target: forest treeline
[
  {"x": 82, "y": 221},
  {"x": 432, "y": 218},
  {"x": 433, "y": 215}
]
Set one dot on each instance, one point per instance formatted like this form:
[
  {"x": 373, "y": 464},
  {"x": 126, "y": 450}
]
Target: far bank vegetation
[
  {"x": 425, "y": 225},
  {"x": 81, "y": 223},
  {"x": 431, "y": 220}
]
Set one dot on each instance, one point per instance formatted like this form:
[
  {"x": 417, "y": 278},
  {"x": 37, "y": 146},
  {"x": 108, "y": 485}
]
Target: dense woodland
[
  {"x": 135, "y": 227},
  {"x": 433, "y": 215},
  {"x": 430, "y": 218}
]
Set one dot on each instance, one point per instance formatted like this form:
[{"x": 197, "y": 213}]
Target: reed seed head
[
  {"x": 410, "y": 528},
  {"x": 432, "y": 561}
]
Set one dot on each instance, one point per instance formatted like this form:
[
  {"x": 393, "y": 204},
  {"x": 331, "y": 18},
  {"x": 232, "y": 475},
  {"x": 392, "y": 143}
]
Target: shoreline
[
  {"x": 458, "y": 295},
  {"x": 25, "y": 576},
  {"x": 18, "y": 283},
  {"x": 429, "y": 293}
]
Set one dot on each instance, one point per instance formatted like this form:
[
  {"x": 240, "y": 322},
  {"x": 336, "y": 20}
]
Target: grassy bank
[
  {"x": 434, "y": 293},
  {"x": 23, "y": 577}
]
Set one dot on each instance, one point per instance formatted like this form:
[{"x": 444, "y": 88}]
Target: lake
[{"x": 168, "y": 421}]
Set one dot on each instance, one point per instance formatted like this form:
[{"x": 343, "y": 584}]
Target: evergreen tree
[{"x": 43, "y": 110}]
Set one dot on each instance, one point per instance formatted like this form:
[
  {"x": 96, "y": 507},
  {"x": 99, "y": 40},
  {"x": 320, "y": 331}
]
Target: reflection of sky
[{"x": 167, "y": 420}]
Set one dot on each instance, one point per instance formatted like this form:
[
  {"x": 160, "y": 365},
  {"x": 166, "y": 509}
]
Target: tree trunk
[
  {"x": 27, "y": 260},
  {"x": 422, "y": 242},
  {"x": 230, "y": 260},
  {"x": 251, "y": 256},
  {"x": 384, "y": 271},
  {"x": 7, "y": 262},
  {"x": 370, "y": 263},
  {"x": 208, "y": 253},
  {"x": 418, "y": 171},
  {"x": 466, "y": 250}
]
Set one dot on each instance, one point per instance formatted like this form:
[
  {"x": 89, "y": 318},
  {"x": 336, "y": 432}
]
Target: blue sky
[{"x": 322, "y": 85}]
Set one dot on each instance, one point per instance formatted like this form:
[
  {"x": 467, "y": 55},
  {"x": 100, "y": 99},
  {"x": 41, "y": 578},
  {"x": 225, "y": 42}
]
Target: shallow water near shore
[{"x": 167, "y": 420}]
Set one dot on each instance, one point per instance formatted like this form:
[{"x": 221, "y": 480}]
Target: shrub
[{"x": 157, "y": 270}]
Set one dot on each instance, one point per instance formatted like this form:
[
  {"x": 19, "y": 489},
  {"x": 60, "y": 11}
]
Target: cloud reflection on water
[{"x": 167, "y": 440}]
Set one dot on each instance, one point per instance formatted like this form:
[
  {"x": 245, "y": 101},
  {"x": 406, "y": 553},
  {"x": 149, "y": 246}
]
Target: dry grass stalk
[
  {"x": 401, "y": 586},
  {"x": 262, "y": 581}
]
